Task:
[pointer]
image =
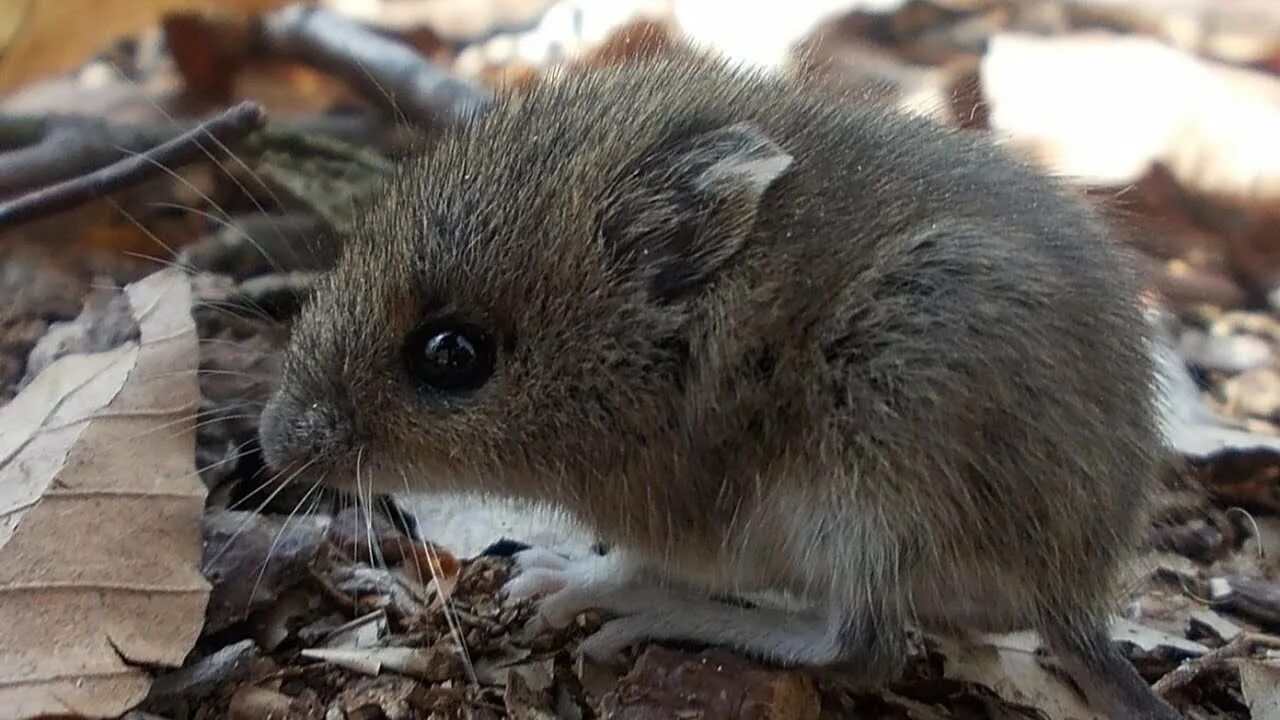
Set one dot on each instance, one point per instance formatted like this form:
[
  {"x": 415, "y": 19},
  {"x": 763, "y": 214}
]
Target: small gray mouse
[{"x": 756, "y": 338}]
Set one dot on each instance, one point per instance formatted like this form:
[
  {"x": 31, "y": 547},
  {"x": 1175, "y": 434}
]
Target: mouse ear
[{"x": 688, "y": 206}]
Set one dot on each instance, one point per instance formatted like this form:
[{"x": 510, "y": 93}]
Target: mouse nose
[{"x": 290, "y": 432}]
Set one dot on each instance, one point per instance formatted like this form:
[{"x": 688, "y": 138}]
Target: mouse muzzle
[{"x": 293, "y": 433}]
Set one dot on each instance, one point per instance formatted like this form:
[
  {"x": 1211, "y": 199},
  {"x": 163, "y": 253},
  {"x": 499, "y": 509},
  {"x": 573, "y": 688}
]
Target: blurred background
[{"x": 1164, "y": 112}]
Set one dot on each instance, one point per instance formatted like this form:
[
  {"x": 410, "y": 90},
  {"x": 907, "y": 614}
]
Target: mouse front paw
[{"x": 568, "y": 586}]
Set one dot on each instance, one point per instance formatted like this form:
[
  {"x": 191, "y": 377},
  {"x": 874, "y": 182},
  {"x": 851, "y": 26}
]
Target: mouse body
[{"x": 755, "y": 337}]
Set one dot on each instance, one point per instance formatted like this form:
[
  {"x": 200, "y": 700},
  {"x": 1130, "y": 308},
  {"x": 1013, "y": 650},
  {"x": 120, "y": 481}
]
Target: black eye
[{"x": 450, "y": 356}]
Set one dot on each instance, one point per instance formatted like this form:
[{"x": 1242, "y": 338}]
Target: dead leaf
[
  {"x": 462, "y": 20},
  {"x": 39, "y": 38},
  {"x": 1210, "y": 123},
  {"x": 1008, "y": 665},
  {"x": 105, "y": 322},
  {"x": 1252, "y": 598},
  {"x": 1149, "y": 639},
  {"x": 1260, "y": 684},
  {"x": 1207, "y": 622},
  {"x": 363, "y": 632},
  {"x": 100, "y": 508},
  {"x": 255, "y": 703},
  {"x": 366, "y": 661},
  {"x": 1192, "y": 427}
]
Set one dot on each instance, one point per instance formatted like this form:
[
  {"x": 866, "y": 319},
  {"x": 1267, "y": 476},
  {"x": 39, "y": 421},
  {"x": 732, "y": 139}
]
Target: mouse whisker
[
  {"x": 282, "y": 484},
  {"x": 239, "y": 308},
  {"x": 217, "y": 163},
  {"x": 447, "y": 606},
  {"x": 364, "y": 510},
  {"x": 224, "y": 221},
  {"x": 280, "y": 535}
]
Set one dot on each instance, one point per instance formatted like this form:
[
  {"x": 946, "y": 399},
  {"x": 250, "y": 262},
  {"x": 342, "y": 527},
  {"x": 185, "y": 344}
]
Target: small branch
[
  {"x": 1241, "y": 647},
  {"x": 42, "y": 151},
  {"x": 388, "y": 72},
  {"x": 176, "y": 152}
]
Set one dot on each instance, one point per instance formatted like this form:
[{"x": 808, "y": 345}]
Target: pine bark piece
[
  {"x": 100, "y": 512},
  {"x": 711, "y": 685}
]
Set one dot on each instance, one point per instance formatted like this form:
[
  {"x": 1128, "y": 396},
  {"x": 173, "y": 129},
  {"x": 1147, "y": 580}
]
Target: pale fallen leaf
[
  {"x": 537, "y": 675},
  {"x": 1190, "y": 425},
  {"x": 1149, "y": 639},
  {"x": 417, "y": 662},
  {"x": 1238, "y": 31},
  {"x": 39, "y": 38},
  {"x": 1211, "y": 622},
  {"x": 363, "y": 632},
  {"x": 492, "y": 668},
  {"x": 460, "y": 20},
  {"x": 1260, "y": 684},
  {"x": 366, "y": 661},
  {"x": 1008, "y": 665},
  {"x": 100, "y": 512},
  {"x": 1101, "y": 108}
]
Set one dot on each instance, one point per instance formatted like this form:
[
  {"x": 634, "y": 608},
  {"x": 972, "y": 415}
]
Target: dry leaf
[
  {"x": 1260, "y": 684},
  {"x": 1149, "y": 639},
  {"x": 39, "y": 38},
  {"x": 1008, "y": 665},
  {"x": 464, "y": 20},
  {"x": 100, "y": 518},
  {"x": 1102, "y": 108}
]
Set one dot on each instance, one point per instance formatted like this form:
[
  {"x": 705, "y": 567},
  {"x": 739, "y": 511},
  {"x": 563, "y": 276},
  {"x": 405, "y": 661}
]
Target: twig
[
  {"x": 42, "y": 151},
  {"x": 1187, "y": 672},
  {"x": 176, "y": 152},
  {"x": 386, "y": 71}
]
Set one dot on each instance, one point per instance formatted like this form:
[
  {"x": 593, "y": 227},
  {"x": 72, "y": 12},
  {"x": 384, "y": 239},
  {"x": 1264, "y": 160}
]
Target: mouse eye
[{"x": 450, "y": 356}]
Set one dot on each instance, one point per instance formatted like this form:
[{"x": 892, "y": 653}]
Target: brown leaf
[
  {"x": 39, "y": 38},
  {"x": 100, "y": 518}
]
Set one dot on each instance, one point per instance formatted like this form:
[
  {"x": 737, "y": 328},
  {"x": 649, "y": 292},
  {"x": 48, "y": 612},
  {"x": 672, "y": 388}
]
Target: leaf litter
[{"x": 86, "y": 598}]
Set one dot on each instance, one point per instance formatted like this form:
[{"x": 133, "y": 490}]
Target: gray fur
[{"x": 900, "y": 375}]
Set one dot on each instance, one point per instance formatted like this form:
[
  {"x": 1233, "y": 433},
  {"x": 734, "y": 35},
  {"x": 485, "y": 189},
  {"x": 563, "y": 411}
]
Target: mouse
[{"x": 756, "y": 337}]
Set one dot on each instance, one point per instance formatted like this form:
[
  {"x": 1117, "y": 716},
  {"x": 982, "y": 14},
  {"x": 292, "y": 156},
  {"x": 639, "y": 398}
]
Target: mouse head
[{"x": 519, "y": 305}]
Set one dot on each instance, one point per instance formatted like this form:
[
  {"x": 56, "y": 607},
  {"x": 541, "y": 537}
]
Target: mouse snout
[{"x": 292, "y": 433}]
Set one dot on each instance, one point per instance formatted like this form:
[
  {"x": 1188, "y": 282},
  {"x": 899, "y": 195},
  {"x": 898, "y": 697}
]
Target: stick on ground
[
  {"x": 384, "y": 70},
  {"x": 181, "y": 150}
]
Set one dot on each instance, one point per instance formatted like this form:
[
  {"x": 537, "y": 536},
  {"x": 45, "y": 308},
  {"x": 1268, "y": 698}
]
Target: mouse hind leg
[
  {"x": 868, "y": 651},
  {"x": 1108, "y": 680},
  {"x": 869, "y": 645}
]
